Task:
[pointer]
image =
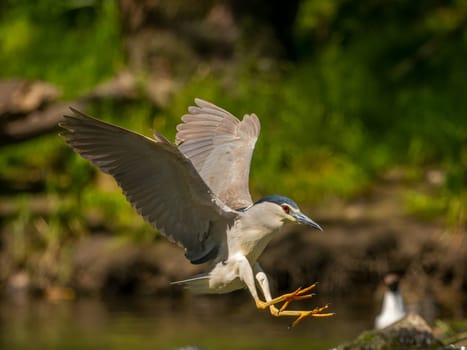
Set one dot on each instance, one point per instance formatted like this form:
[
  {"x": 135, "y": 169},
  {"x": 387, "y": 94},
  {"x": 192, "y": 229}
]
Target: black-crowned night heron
[{"x": 197, "y": 195}]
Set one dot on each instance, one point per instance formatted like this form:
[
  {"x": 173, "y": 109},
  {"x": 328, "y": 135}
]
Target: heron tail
[{"x": 198, "y": 284}]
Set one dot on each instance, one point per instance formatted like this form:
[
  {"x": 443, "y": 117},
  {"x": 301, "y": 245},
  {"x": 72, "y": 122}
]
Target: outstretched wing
[
  {"x": 220, "y": 147},
  {"x": 157, "y": 180}
]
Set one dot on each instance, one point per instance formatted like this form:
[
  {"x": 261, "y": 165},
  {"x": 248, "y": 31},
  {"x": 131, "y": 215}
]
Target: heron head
[{"x": 289, "y": 210}]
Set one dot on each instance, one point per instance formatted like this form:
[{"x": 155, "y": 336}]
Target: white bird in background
[{"x": 393, "y": 308}]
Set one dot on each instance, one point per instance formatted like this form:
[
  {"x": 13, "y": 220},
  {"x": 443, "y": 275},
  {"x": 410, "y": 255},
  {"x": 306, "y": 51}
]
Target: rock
[
  {"x": 18, "y": 284},
  {"x": 20, "y": 96},
  {"x": 412, "y": 332}
]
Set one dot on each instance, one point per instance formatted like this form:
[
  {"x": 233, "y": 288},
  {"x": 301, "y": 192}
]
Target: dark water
[{"x": 216, "y": 322}]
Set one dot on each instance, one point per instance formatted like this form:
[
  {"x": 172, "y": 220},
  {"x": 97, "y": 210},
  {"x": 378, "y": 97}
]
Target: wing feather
[
  {"x": 158, "y": 180},
  {"x": 220, "y": 147}
]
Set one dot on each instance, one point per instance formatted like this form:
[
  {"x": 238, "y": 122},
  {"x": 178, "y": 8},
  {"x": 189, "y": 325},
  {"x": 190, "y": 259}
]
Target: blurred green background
[
  {"x": 363, "y": 88},
  {"x": 349, "y": 94}
]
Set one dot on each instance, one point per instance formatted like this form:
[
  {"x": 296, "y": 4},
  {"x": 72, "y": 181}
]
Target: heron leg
[
  {"x": 246, "y": 274},
  {"x": 299, "y": 294}
]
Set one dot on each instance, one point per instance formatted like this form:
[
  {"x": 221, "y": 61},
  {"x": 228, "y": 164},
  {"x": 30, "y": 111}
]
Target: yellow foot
[
  {"x": 317, "y": 312},
  {"x": 301, "y": 314},
  {"x": 299, "y": 294}
]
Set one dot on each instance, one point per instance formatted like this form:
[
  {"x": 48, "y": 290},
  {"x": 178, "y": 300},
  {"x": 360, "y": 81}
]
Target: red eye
[{"x": 285, "y": 208}]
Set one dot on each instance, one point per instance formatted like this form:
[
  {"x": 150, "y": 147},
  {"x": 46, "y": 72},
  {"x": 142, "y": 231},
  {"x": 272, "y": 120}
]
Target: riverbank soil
[{"x": 363, "y": 239}]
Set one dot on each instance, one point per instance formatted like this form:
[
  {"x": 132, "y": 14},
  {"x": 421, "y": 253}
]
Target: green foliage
[
  {"x": 73, "y": 44},
  {"x": 375, "y": 86}
]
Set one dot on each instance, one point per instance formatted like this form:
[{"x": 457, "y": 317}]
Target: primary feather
[
  {"x": 220, "y": 147},
  {"x": 158, "y": 180}
]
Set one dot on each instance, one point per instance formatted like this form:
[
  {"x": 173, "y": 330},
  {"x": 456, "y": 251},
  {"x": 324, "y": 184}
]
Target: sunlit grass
[{"x": 440, "y": 205}]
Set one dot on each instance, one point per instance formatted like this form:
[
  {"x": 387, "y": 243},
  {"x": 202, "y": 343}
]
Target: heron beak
[{"x": 305, "y": 220}]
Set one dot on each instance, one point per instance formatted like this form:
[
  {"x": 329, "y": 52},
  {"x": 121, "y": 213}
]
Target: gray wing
[
  {"x": 220, "y": 147},
  {"x": 157, "y": 180}
]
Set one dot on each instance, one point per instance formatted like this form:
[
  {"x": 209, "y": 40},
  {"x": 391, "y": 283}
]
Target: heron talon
[
  {"x": 299, "y": 294},
  {"x": 312, "y": 313},
  {"x": 299, "y": 315}
]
